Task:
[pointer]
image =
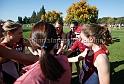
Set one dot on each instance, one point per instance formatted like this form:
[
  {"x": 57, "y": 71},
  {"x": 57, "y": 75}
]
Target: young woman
[
  {"x": 61, "y": 38},
  {"x": 6, "y": 54},
  {"x": 51, "y": 68},
  {"x": 12, "y": 39},
  {"x": 95, "y": 64},
  {"x": 77, "y": 47}
]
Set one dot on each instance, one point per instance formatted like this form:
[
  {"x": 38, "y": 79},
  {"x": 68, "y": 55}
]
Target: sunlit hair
[
  {"x": 11, "y": 26},
  {"x": 101, "y": 33},
  {"x": 50, "y": 66}
]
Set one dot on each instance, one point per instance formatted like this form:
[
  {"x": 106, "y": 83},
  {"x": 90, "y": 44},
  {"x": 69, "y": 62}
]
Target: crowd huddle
[{"x": 52, "y": 53}]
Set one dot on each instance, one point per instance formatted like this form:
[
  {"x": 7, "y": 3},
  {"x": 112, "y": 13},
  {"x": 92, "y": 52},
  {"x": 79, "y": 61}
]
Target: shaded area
[
  {"x": 116, "y": 39},
  {"x": 74, "y": 79},
  {"x": 117, "y": 77}
]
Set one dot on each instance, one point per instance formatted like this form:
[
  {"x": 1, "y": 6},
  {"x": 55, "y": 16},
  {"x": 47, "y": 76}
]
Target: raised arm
[
  {"x": 27, "y": 43},
  {"x": 63, "y": 44}
]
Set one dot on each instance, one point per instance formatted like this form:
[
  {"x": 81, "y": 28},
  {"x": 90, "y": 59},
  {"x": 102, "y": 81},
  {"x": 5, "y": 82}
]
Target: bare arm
[
  {"x": 27, "y": 43},
  {"x": 63, "y": 44},
  {"x": 79, "y": 57},
  {"x": 104, "y": 70},
  {"x": 2, "y": 60},
  {"x": 18, "y": 56}
]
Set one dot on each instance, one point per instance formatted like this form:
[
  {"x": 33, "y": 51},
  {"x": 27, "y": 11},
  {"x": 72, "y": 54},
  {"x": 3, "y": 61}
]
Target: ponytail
[
  {"x": 50, "y": 66},
  {"x": 107, "y": 39}
]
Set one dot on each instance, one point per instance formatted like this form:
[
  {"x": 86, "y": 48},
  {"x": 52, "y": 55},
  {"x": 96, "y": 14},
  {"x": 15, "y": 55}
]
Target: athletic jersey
[
  {"x": 88, "y": 73},
  {"x": 78, "y": 45},
  {"x": 58, "y": 44},
  {"x": 34, "y": 73},
  {"x": 9, "y": 68},
  {"x": 19, "y": 46},
  {"x": 104, "y": 48}
]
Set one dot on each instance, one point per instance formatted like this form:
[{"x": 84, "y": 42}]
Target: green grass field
[{"x": 116, "y": 56}]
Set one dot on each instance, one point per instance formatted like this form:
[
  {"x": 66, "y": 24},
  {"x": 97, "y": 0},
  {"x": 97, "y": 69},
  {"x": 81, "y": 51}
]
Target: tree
[
  {"x": 110, "y": 20},
  {"x": 33, "y": 18},
  {"x": 120, "y": 20},
  {"x": 52, "y": 16},
  {"x": 40, "y": 13},
  {"x": 82, "y": 12},
  {"x": 20, "y": 20},
  {"x": 104, "y": 20}
]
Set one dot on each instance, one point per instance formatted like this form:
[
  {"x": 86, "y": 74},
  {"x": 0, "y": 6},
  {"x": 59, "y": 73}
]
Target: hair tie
[{"x": 43, "y": 47}]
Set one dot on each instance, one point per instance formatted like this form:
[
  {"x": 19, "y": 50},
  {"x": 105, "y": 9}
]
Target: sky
[{"x": 11, "y": 9}]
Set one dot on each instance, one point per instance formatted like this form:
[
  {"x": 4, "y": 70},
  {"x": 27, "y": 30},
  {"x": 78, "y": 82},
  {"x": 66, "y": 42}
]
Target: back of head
[
  {"x": 42, "y": 35},
  {"x": 101, "y": 33}
]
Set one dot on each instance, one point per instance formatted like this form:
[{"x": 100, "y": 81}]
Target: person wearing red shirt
[
  {"x": 95, "y": 63},
  {"x": 77, "y": 47}
]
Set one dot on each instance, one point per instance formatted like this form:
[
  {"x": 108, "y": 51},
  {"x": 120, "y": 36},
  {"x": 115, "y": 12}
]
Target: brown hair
[
  {"x": 40, "y": 35},
  {"x": 101, "y": 33}
]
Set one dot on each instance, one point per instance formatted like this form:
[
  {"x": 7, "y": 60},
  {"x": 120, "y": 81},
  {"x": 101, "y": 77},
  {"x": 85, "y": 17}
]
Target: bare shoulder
[{"x": 101, "y": 59}]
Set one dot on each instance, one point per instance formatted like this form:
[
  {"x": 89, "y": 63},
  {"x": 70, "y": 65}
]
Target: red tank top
[{"x": 88, "y": 65}]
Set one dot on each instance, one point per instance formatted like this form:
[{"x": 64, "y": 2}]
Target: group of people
[{"x": 50, "y": 61}]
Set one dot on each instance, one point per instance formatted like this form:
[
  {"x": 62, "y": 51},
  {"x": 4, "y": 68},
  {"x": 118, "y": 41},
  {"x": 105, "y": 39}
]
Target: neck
[{"x": 95, "y": 47}]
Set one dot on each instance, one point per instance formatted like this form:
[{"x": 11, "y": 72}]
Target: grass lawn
[{"x": 116, "y": 56}]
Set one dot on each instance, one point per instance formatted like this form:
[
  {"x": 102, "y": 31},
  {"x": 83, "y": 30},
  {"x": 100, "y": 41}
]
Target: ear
[
  {"x": 8, "y": 32},
  {"x": 91, "y": 38}
]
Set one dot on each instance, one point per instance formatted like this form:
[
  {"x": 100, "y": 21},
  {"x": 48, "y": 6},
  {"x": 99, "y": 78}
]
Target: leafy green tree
[
  {"x": 82, "y": 12},
  {"x": 33, "y": 18},
  {"x": 110, "y": 20},
  {"x": 20, "y": 20},
  {"x": 40, "y": 13},
  {"x": 120, "y": 20}
]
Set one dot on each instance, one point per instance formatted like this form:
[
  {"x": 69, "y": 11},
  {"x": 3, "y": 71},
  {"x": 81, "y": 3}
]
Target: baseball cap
[{"x": 78, "y": 30}]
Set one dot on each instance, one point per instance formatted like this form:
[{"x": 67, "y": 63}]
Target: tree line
[{"x": 80, "y": 11}]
